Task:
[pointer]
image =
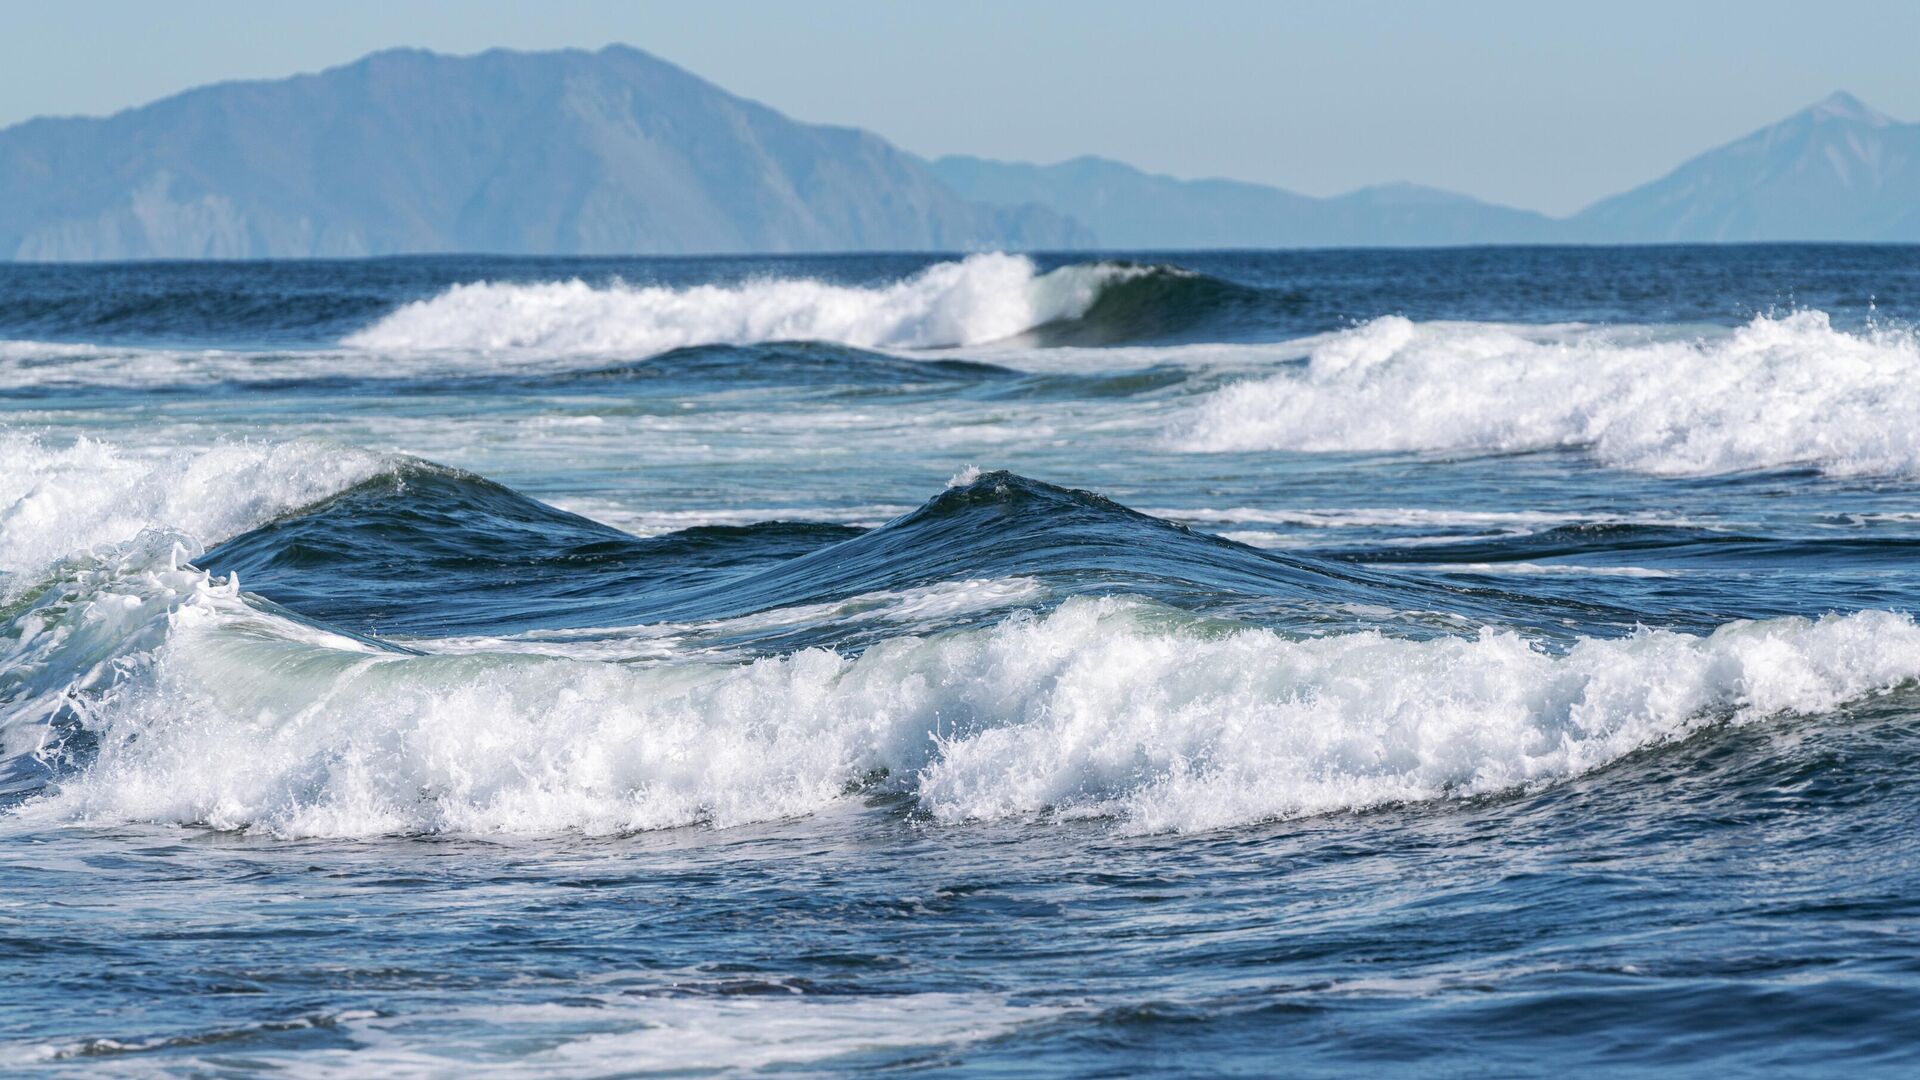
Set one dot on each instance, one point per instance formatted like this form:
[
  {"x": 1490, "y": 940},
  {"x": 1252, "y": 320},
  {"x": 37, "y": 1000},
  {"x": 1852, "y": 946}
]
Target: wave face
[
  {"x": 422, "y": 550},
  {"x": 240, "y": 718},
  {"x": 233, "y": 712},
  {"x": 429, "y": 551},
  {"x": 1776, "y": 393},
  {"x": 979, "y": 299}
]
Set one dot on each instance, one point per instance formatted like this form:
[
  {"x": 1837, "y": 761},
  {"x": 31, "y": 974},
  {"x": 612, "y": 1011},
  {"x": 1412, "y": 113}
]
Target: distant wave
[
  {"x": 979, "y": 299},
  {"x": 32, "y": 368},
  {"x": 768, "y": 331},
  {"x": 181, "y": 305},
  {"x": 1779, "y": 392}
]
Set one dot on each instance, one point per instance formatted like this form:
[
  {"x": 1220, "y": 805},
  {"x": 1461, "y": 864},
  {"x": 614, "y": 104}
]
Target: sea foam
[
  {"x": 981, "y": 298},
  {"x": 236, "y": 717},
  {"x": 1776, "y": 392},
  {"x": 58, "y": 500},
  {"x": 588, "y": 1034}
]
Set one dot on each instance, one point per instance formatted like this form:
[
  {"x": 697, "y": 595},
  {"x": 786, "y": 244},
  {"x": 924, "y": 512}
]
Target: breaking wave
[
  {"x": 979, "y": 299},
  {"x": 58, "y": 501},
  {"x": 239, "y": 718},
  {"x": 1775, "y": 393},
  {"x": 134, "y": 686}
]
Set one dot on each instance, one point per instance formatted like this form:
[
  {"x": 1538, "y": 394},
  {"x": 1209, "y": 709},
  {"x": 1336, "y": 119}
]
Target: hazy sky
[{"x": 1540, "y": 105}]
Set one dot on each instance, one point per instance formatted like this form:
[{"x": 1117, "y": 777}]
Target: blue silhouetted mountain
[
  {"x": 407, "y": 151},
  {"x": 1836, "y": 171},
  {"x": 1128, "y": 208},
  {"x": 617, "y": 152}
]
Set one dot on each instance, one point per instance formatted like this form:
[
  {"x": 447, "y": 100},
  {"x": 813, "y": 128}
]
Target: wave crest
[
  {"x": 1775, "y": 393},
  {"x": 982, "y": 298},
  {"x": 57, "y": 501},
  {"x": 238, "y": 717}
]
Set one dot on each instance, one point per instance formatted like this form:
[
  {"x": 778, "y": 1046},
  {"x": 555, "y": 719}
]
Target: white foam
[
  {"x": 16, "y": 350},
  {"x": 125, "y": 367},
  {"x": 62, "y": 500},
  {"x": 1776, "y": 392},
  {"x": 44, "y": 365},
  {"x": 1106, "y": 707},
  {"x": 707, "y": 1034},
  {"x": 102, "y": 623},
  {"x": 981, "y": 298},
  {"x": 587, "y": 1035}
]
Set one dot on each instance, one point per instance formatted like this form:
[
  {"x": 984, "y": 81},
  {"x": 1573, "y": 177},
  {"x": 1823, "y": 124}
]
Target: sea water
[{"x": 1471, "y": 662}]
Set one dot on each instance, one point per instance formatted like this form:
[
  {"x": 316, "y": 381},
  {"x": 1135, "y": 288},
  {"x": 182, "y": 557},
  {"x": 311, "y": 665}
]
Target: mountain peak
[
  {"x": 407, "y": 150},
  {"x": 1838, "y": 170},
  {"x": 1841, "y": 105}
]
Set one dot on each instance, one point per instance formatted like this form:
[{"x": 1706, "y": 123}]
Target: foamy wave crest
[
  {"x": 239, "y": 718},
  {"x": 981, "y": 298},
  {"x": 1777, "y": 392},
  {"x": 61, "y": 500}
]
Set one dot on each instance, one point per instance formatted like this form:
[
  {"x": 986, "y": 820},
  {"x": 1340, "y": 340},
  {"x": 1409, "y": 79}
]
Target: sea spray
[
  {"x": 239, "y": 718},
  {"x": 60, "y": 499},
  {"x": 1776, "y": 392},
  {"x": 981, "y": 298}
]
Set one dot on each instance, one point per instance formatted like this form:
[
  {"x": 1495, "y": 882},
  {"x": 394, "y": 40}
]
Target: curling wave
[
  {"x": 1776, "y": 393},
  {"x": 137, "y": 687},
  {"x": 423, "y": 550},
  {"x": 235, "y": 716},
  {"x": 979, "y": 299},
  {"x": 60, "y": 500}
]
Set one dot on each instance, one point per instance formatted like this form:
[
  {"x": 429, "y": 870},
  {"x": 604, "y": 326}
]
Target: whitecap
[
  {"x": 982, "y": 298},
  {"x": 1778, "y": 392}
]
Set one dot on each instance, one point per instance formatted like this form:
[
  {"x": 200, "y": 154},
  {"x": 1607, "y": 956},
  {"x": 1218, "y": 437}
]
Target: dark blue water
[{"x": 1475, "y": 662}]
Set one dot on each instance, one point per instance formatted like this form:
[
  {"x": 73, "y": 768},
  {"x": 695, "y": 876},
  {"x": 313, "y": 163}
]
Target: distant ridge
[
  {"x": 618, "y": 152},
  {"x": 1128, "y": 208},
  {"x": 407, "y": 151},
  {"x": 1836, "y": 170}
]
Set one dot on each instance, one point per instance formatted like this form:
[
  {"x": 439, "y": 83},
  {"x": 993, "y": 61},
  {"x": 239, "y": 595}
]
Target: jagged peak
[{"x": 1841, "y": 105}]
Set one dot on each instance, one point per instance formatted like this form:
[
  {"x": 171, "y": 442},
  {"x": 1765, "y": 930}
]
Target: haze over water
[{"x": 1410, "y": 663}]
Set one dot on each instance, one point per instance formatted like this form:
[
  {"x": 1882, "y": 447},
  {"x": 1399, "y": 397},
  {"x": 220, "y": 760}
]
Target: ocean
[{"x": 1473, "y": 662}]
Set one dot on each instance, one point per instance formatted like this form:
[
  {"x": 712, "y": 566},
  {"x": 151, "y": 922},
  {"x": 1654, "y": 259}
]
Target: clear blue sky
[{"x": 1542, "y": 105}]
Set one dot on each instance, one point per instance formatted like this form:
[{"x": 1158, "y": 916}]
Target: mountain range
[
  {"x": 619, "y": 152},
  {"x": 1836, "y": 171},
  {"x": 1127, "y": 208}
]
